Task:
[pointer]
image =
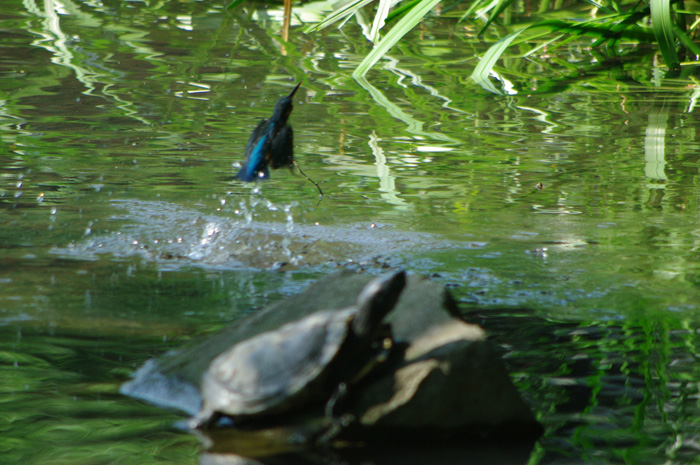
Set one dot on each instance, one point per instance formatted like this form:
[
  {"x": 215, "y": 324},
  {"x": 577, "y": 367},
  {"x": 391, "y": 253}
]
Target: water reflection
[
  {"x": 613, "y": 393},
  {"x": 61, "y": 404},
  {"x": 413, "y": 125},
  {"x": 387, "y": 183},
  {"x": 607, "y": 392},
  {"x": 122, "y": 235},
  {"x": 392, "y": 454},
  {"x": 655, "y": 148}
]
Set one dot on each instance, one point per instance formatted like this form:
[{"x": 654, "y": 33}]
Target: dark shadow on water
[
  {"x": 606, "y": 391},
  {"x": 408, "y": 455}
]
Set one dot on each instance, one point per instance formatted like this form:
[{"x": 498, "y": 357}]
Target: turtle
[{"x": 305, "y": 361}]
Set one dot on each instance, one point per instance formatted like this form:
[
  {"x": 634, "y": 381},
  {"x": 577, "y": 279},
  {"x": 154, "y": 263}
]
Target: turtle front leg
[
  {"x": 336, "y": 423},
  {"x": 341, "y": 392}
]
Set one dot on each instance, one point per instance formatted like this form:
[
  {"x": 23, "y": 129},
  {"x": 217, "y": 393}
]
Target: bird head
[{"x": 284, "y": 106}]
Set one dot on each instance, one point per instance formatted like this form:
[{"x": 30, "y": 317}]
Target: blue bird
[{"x": 271, "y": 144}]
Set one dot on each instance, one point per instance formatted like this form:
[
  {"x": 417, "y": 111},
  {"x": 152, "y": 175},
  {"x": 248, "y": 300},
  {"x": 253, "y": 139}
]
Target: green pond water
[{"x": 123, "y": 234}]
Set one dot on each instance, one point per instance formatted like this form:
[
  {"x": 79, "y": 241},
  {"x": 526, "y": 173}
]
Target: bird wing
[
  {"x": 257, "y": 154},
  {"x": 254, "y": 136},
  {"x": 283, "y": 148}
]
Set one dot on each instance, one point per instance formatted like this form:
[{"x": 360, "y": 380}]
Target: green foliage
[
  {"x": 234, "y": 4},
  {"x": 406, "y": 24},
  {"x": 659, "y": 22},
  {"x": 662, "y": 24},
  {"x": 344, "y": 12},
  {"x": 485, "y": 67},
  {"x": 411, "y": 13}
]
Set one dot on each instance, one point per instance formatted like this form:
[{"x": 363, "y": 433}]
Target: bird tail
[{"x": 246, "y": 174}]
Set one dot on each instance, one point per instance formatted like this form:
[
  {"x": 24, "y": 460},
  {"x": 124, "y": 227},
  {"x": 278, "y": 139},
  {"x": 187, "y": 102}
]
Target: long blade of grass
[
  {"x": 379, "y": 18},
  {"x": 346, "y": 11},
  {"x": 485, "y": 5},
  {"x": 662, "y": 24},
  {"x": 401, "y": 9},
  {"x": 483, "y": 70},
  {"x": 629, "y": 21},
  {"x": 601, "y": 7},
  {"x": 401, "y": 28},
  {"x": 234, "y": 4},
  {"x": 687, "y": 41},
  {"x": 544, "y": 44},
  {"x": 500, "y": 7}
]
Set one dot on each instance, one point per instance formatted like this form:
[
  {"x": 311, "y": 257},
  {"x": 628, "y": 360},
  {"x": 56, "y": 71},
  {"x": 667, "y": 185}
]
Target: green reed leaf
[
  {"x": 686, "y": 41},
  {"x": 500, "y": 7},
  {"x": 379, "y": 18},
  {"x": 345, "y": 11},
  {"x": 483, "y": 70},
  {"x": 662, "y": 25},
  {"x": 234, "y": 4},
  {"x": 405, "y": 25}
]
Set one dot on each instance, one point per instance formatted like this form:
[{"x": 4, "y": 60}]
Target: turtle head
[{"x": 375, "y": 301}]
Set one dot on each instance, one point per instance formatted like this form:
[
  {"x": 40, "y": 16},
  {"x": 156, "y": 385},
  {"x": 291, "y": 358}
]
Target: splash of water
[{"x": 248, "y": 207}]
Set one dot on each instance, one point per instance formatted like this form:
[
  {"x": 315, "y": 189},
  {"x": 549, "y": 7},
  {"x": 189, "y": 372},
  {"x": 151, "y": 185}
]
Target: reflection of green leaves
[
  {"x": 413, "y": 125},
  {"x": 602, "y": 32},
  {"x": 62, "y": 394}
]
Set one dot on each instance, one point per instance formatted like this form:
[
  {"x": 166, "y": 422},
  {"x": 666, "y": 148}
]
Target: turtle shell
[{"x": 277, "y": 370}]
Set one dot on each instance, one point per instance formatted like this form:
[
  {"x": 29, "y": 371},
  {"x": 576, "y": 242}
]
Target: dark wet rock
[
  {"x": 449, "y": 385},
  {"x": 444, "y": 382}
]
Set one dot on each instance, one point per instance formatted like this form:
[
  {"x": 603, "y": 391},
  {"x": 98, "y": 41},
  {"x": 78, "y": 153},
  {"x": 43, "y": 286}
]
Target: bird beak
[{"x": 291, "y": 94}]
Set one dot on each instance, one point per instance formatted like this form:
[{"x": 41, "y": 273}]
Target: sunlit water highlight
[{"x": 173, "y": 237}]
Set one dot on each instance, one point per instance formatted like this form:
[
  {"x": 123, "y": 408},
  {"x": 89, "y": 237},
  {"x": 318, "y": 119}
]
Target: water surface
[{"x": 565, "y": 222}]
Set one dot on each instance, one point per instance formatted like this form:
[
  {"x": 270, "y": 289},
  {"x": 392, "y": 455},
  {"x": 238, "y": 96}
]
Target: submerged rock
[{"x": 443, "y": 381}]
